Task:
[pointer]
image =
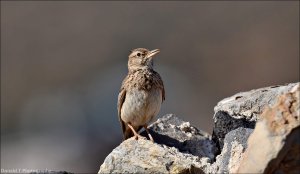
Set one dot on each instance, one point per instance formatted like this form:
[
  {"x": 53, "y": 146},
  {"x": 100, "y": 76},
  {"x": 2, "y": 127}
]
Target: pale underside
[{"x": 141, "y": 106}]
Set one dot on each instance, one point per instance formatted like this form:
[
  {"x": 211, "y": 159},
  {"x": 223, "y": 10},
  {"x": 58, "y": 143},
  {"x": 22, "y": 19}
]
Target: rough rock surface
[
  {"x": 179, "y": 148},
  {"x": 273, "y": 146},
  {"x": 235, "y": 143},
  {"x": 143, "y": 156},
  {"x": 278, "y": 134},
  {"x": 173, "y": 132},
  {"x": 243, "y": 109}
]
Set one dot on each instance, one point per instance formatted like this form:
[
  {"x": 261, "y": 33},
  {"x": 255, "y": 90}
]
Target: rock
[
  {"x": 143, "y": 156},
  {"x": 243, "y": 109},
  {"x": 180, "y": 148},
  {"x": 274, "y": 145},
  {"x": 173, "y": 132},
  {"x": 235, "y": 143}
]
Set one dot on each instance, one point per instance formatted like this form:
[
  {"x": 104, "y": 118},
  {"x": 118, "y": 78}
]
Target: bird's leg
[
  {"x": 136, "y": 135},
  {"x": 149, "y": 135}
]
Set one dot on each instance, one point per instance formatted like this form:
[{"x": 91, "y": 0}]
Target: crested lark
[{"x": 141, "y": 94}]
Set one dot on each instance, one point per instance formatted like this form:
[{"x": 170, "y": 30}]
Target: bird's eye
[{"x": 138, "y": 54}]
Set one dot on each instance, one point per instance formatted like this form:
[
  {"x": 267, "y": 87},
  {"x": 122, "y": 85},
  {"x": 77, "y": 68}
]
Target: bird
[{"x": 141, "y": 94}]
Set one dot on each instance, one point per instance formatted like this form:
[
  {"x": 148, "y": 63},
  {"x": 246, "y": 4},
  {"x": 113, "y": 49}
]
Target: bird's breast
[{"x": 140, "y": 106}]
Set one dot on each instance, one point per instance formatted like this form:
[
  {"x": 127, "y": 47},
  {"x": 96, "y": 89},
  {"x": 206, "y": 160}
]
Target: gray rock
[
  {"x": 173, "y": 132},
  {"x": 243, "y": 109},
  {"x": 274, "y": 145},
  {"x": 180, "y": 148},
  {"x": 235, "y": 143},
  {"x": 143, "y": 156}
]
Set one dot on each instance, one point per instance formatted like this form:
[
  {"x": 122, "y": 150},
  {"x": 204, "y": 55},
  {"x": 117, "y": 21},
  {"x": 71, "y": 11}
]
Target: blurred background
[{"x": 62, "y": 64}]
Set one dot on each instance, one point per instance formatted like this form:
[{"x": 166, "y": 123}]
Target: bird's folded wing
[
  {"x": 121, "y": 99},
  {"x": 160, "y": 84}
]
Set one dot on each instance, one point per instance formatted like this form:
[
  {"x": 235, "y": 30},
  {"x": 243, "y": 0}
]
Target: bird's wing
[
  {"x": 160, "y": 84},
  {"x": 121, "y": 99},
  {"x": 127, "y": 133}
]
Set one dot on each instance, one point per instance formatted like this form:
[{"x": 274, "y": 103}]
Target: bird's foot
[
  {"x": 136, "y": 135},
  {"x": 149, "y": 135}
]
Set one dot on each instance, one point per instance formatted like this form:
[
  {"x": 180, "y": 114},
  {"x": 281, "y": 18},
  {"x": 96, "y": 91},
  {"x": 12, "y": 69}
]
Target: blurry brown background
[{"x": 62, "y": 64}]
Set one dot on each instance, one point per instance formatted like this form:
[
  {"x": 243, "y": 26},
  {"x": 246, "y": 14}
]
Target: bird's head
[{"x": 141, "y": 58}]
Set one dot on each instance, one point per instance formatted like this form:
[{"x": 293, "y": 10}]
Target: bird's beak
[{"x": 152, "y": 53}]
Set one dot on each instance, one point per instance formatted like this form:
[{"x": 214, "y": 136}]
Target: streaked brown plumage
[{"x": 141, "y": 93}]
